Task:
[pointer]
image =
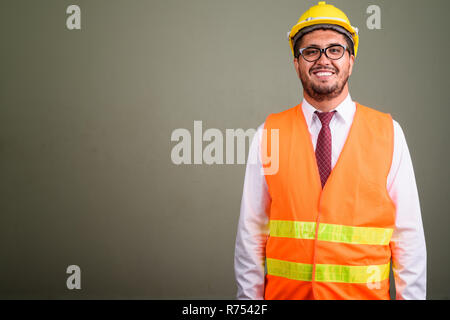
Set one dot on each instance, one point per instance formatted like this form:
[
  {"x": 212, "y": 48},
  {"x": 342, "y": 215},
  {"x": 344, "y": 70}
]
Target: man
[{"x": 343, "y": 201}]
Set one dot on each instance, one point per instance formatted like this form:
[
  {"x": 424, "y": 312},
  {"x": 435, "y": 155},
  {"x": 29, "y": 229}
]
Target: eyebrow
[{"x": 330, "y": 44}]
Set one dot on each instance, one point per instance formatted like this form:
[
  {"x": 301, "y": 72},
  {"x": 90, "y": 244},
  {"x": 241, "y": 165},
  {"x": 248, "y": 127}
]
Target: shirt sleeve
[
  {"x": 407, "y": 244},
  {"x": 253, "y": 227}
]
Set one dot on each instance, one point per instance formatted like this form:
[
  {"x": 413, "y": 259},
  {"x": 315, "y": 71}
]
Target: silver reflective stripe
[{"x": 321, "y": 18}]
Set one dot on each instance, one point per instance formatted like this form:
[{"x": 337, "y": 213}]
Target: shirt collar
[{"x": 344, "y": 111}]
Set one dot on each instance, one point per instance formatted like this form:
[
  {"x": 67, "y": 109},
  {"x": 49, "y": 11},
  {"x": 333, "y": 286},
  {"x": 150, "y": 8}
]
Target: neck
[{"x": 326, "y": 105}]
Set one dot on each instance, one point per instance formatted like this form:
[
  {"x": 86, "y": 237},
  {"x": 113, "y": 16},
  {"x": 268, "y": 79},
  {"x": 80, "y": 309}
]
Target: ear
[
  {"x": 297, "y": 66},
  {"x": 351, "y": 62}
]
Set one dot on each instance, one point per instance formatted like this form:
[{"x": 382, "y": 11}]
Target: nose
[{"x": 323, "y": 59}]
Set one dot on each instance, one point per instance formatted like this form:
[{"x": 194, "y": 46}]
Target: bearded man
[{"x": 343, "y": 202}]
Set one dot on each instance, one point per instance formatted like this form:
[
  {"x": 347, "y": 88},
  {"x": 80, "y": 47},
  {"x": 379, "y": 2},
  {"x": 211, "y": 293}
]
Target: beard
[{"x": 322, "y": 92}]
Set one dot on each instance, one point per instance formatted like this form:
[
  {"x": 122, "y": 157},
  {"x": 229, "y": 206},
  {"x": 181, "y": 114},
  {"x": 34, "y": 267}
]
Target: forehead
[{"x": 323, "y": 37}]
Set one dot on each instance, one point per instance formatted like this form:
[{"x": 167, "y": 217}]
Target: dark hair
[{"x": 298, "y": 37}]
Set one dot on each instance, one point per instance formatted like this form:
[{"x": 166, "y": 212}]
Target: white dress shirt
[{"x": 407, "y": 242}]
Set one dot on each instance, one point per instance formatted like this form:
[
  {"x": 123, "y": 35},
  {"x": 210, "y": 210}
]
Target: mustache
[{"x": 323, "y": 68}]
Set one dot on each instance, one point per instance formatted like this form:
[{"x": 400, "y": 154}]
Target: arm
[
  {"x": 253, "y": 227},
  {"x": 408, "y": 248}
]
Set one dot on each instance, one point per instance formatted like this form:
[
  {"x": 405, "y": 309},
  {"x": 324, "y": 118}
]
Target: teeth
[{"x": 321, "y": 74}]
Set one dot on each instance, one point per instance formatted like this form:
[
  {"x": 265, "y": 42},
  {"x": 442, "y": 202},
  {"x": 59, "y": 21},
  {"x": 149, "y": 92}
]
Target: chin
[{"x": 326, "y": 89}]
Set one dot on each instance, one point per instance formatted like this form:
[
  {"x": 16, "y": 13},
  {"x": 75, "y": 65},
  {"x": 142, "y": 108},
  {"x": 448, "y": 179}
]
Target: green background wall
[{"x": 86, "y": 117}]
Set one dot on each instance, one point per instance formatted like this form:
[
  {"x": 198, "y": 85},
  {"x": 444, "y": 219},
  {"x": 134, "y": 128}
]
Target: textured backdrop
[{"x": 86, "y": 116}]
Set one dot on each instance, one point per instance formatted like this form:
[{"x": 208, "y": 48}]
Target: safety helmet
[{"x": 325, "y": 14}]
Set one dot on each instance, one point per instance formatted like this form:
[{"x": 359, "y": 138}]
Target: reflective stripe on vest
[
  {"x": 330, "y": 232},
  {"x": 328, "y": 272}
]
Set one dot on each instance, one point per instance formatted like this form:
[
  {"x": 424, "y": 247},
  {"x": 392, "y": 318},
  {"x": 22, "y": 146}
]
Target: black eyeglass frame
[{"x": 323, "y": 51}]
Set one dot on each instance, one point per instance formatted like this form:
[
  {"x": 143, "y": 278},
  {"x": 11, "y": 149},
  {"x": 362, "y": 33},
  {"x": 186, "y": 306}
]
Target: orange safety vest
[{"x": 331, "y": 243}]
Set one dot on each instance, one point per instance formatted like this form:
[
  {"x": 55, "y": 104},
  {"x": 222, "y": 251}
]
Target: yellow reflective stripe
[
  {"x": 354, "y": 235},
  {"x": 328, "y": 272},
  {"x": 351, "y": 274},
  {"x": 290, "y": 270},
  {"x": 330, "y": 232},
  {"x": 292, "y": 229}
]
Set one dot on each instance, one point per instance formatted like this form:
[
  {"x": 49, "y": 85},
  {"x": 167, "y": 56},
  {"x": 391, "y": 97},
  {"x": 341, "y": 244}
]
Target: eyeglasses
[{"x": 334, "y": 52}]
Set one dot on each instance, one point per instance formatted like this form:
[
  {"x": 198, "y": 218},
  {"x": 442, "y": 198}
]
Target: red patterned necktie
[{"x": 323, "y": 146}]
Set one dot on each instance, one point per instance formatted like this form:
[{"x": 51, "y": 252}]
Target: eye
[
  {"x": 310, "y": 51},
  {"x": 335, "y": 50}
]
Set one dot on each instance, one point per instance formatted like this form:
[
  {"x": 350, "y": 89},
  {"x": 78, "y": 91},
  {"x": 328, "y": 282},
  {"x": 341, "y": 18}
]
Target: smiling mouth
[{"x": 323, "y": 74}]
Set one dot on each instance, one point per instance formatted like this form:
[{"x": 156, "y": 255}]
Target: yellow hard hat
[{"x": 323, "y": 13}]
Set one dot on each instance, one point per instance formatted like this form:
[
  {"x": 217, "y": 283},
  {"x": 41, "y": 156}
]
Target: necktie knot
[{"x": 325, "y": 117}]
